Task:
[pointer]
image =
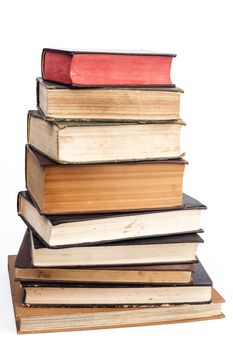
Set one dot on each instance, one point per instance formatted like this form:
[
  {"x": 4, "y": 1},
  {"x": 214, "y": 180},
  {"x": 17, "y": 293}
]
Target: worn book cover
[
  {"x": 77, "y": 142},
  {"x": 62, "y": 103},
  {"x": 83, "y": 68},
  {"x": 84, "y": 229}
]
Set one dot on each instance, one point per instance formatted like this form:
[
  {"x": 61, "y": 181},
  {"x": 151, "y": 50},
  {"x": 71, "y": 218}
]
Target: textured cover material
[
  {"x": 110, "y": 52},
  {"x": 24, "y": 313},
  {"x": 55, "y": 86},
  {"x": 106, "y": 68},
  {"x": 24, "y": 256},
  {"x": 66, "y": 123},
  {"x": 189, "y": 203},
  {"x": 24, "y": 260}
]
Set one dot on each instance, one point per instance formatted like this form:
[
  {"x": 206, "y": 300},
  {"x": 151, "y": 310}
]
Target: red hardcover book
[{"x": 83, "y": 68}]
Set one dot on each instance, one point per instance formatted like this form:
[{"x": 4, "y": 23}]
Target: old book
[
  {"x": 136, "y": 274},
  {"x": 85, "y": 188},
  {"x": 53, "y": 319},
  {"x": 154, "y": 250},
  {"x": 58, "y": 102},
  {"x": 93, "y": 68},
  {"x": 93, "y": 142},
  {"x": 77, "y": 294},
  {"x": 76, "y": 229}
]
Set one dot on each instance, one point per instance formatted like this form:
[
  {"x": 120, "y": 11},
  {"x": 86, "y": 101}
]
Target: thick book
[
  {"x": 83, "y": 68},
  {"x": 58, "y": 102},
  {"x": 83, "y": 294},
  {"x": 57, "y": 230},
  {"x": 93, "y": 142},
  {"x": 153, "y": 250},
  {"x": 111, "y": 187},
  {"x": 53, "y": 319},
  {"x": 135, "y": 274}
]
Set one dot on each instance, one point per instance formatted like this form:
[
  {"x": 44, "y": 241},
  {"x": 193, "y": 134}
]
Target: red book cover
[{"x": 106, "y": 68}]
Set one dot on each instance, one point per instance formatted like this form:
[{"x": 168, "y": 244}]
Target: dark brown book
[
  {"x": 57, "y": 230},
  {"x": 52, "y": 319},
  {"x": 103, "y": 68},
  {"x": 77, "y": 294},
  {"x": 143, "y": 251},
  {"x": 130, "y": 186},
  {"x": 137, "y": 274}
]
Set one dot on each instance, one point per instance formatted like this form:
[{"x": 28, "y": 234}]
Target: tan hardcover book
[
  {"x": 59, "y": 102},
  {"x": 85, "y": 188},
  {"x": 136, "y": 274},
  {"x": 52, "y": 319},
  {"x": 93, "y": 142}
]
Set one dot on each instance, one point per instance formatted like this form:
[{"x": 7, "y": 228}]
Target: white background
[{"x": 200, "y": 32}]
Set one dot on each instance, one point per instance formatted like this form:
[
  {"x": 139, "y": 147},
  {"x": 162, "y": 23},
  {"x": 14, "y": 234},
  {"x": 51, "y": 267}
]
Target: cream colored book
[
  {"x": 59, "y": 102},
  {"x": 93, "y": 142},
  {"x": 152, "y": 250}
]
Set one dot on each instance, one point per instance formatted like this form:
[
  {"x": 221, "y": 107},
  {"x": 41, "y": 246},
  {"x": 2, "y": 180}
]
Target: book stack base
[{"x": 43, "y": 320}]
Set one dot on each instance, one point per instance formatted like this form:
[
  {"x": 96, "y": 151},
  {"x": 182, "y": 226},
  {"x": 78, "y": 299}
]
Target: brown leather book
[
  {"x": 130, "y": 186},
  {"x": 52, "y": 319},
  {"x": 136, "y": 274}
]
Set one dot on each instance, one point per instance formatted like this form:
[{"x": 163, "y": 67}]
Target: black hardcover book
[
  {"x": 152, "y": 250},
  {"x": 90, "y": 229}
]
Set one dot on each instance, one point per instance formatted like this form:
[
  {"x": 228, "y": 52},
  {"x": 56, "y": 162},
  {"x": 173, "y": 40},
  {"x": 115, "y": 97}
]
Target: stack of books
[{"x": 111, "y": 240}]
